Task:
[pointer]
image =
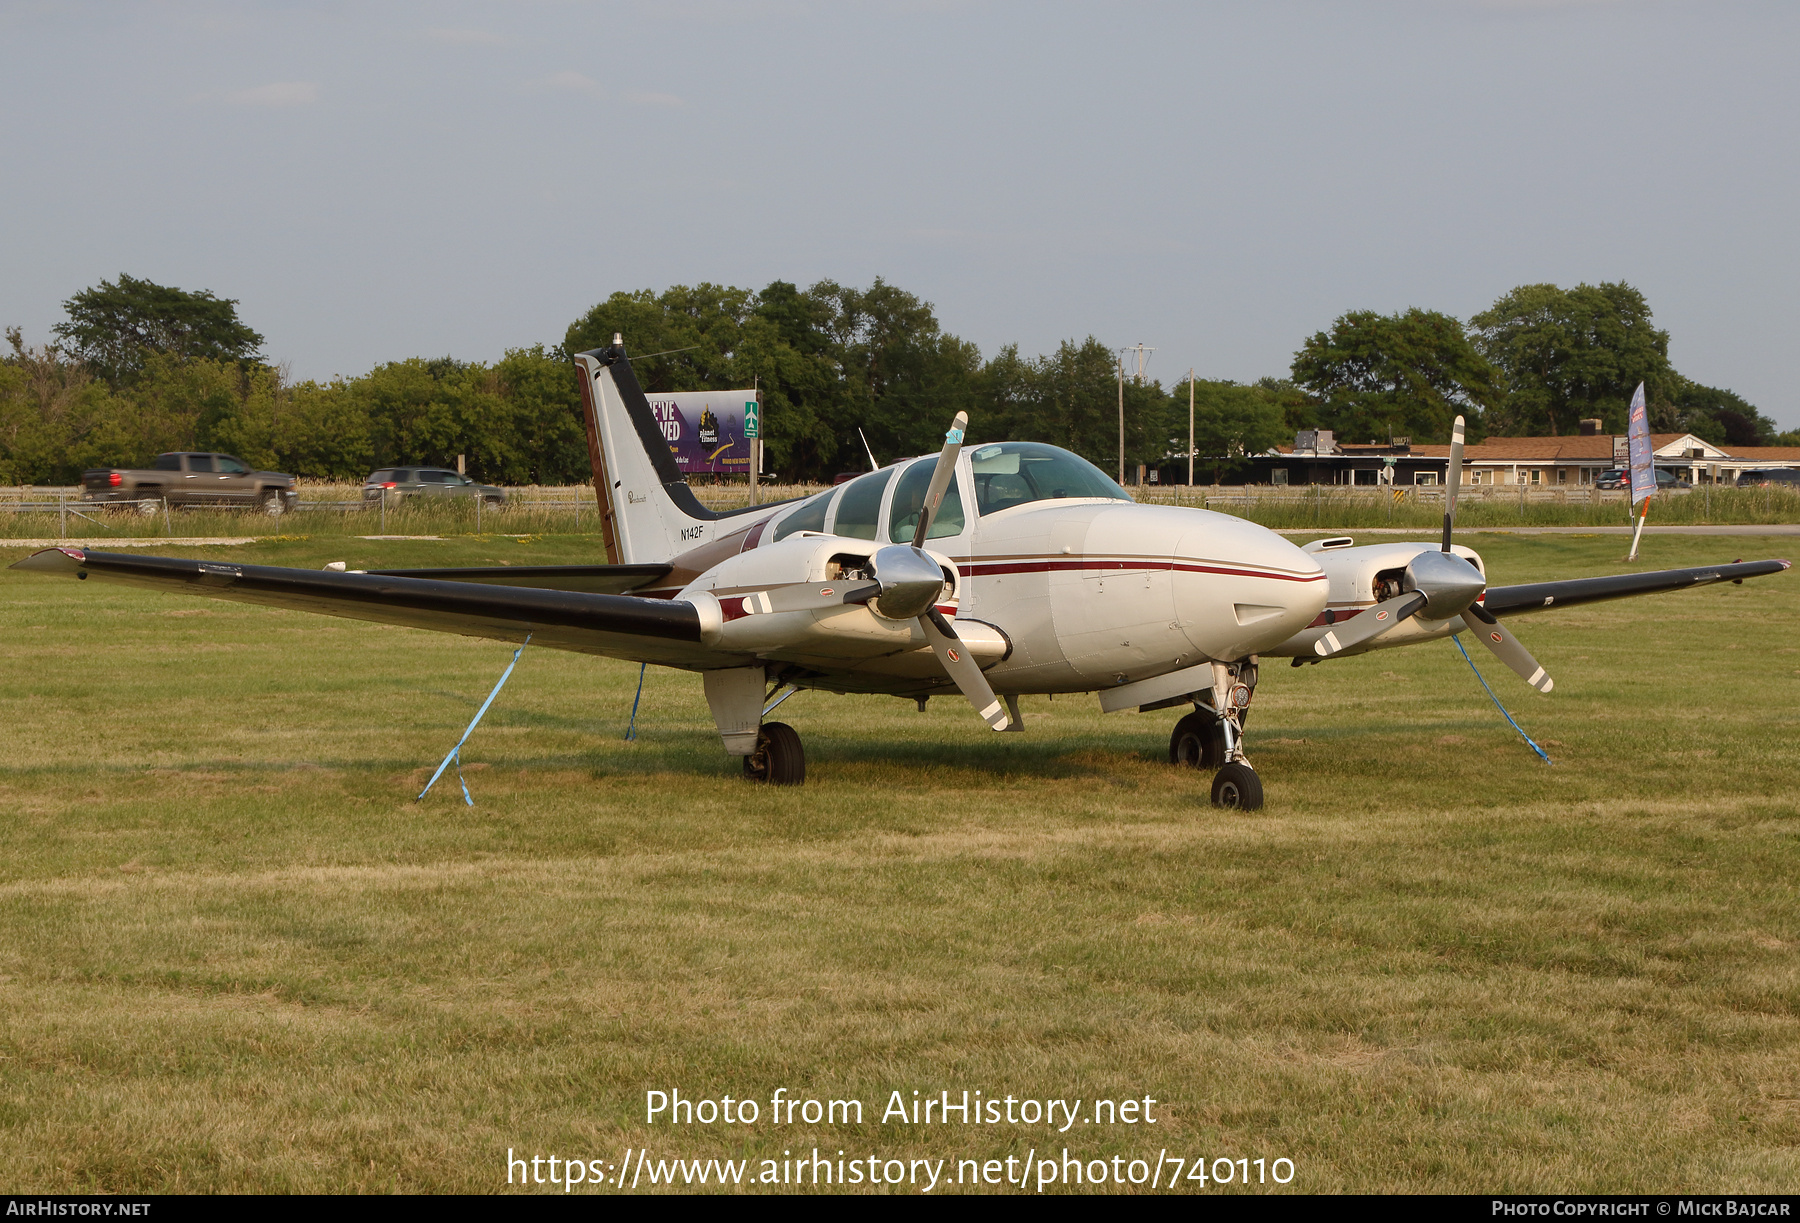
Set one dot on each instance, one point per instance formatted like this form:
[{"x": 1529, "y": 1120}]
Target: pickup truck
[{"x": 191, "y": 478}]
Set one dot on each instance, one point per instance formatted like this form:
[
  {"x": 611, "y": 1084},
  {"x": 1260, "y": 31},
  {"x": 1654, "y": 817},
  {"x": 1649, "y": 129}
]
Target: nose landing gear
[{"x": 1209, "y": 739}]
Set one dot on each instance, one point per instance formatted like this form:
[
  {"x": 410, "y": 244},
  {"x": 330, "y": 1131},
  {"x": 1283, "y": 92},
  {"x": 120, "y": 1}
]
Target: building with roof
[{"x": 1540, "y": 462}]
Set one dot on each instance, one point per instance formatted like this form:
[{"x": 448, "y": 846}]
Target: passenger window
[
  {"x": 809, "y": 517},
  {"x": 167, "y": 462},
  {"x": 431, "y": 477},
  {"x": 200, "y": 462},
  {"x": 909, "y": 500},
  {"x": 860, "y": 505},
  {"x": 231, "y": 466}
]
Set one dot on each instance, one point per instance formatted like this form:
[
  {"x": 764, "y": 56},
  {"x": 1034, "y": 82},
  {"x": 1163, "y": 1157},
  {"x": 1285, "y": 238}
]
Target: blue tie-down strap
[
  {"x": 1497, "y": 705},
  {"x": 631, "y": 728},
  {"x": 456, "y": 752}
]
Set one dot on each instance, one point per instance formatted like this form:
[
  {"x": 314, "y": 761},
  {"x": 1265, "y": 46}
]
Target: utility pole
[
  {"x": 1121, "y": 417},
  {"x": 1143, "y": 359},
  {"x": 1190, "y": 426}
]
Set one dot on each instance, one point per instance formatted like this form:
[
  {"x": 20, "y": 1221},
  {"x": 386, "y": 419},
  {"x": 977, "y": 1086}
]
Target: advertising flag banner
[
  {"x": 705, "y": 429},
  {"x": 1643, "y": 474}
]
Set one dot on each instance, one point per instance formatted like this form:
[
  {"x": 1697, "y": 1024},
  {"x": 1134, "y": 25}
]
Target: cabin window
[
  {"x": 809, "y": 516},
  {"x": 860, "y": 505},
  {"x": 199, "y": 462},
  {"x": 1014, "y": 473},
  {"x": 909, "y": 500}
]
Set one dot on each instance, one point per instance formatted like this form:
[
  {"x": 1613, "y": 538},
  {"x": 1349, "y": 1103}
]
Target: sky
[{"x": 1215, "y": 180}]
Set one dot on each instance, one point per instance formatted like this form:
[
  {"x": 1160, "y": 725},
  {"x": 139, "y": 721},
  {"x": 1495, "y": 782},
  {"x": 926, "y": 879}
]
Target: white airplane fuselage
[{"x": 1050, "y": 596}]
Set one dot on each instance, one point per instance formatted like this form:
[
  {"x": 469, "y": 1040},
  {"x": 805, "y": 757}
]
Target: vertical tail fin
[{"x": 647, "y": 511}]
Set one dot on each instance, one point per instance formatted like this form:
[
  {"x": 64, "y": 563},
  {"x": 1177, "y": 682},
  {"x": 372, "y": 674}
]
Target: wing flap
[
  {"x": 1541, "y": 596},
  {"x": 586, "y": 579},
  {"x": 615, "y": 625}
]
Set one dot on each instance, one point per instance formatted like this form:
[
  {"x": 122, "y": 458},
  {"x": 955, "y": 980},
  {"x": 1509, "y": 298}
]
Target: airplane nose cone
[{"x": 1249, "y": 588}]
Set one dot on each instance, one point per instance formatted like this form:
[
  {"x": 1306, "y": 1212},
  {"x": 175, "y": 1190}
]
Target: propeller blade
[
  {"x": 1507, "y": 649},
  {"x": 940, "y": 478},
  {"x": 1453, "y": 478},
  {"x": 1368, "y": 624},
  {"x": 955, "y": 656},
  {"x": 809, "y": 597}
]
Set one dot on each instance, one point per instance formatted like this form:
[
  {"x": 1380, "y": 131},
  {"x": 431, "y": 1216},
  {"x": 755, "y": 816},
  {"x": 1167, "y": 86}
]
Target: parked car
[
  {"x": 1763, "y": 477},
  {"x": 1618, "y": 477},
  {"x": 191, "y": 478},
  {"x": 401, "y": 482}
]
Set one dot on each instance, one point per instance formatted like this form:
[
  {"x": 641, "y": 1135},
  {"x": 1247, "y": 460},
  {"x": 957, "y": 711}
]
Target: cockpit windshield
[{"x": 1014, "y": 473}]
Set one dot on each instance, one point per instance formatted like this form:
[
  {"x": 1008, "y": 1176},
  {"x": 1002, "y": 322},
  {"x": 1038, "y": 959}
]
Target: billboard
[{"x": 705, "y": 429}]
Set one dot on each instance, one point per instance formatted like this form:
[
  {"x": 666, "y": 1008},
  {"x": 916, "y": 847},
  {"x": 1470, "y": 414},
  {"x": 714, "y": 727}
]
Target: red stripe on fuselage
[{"x": 978, "y": 569}]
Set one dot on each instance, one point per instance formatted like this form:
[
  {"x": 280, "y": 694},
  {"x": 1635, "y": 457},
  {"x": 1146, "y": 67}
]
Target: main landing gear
[
  {"x": 778, "y": 759},
  {"x": 1207, "y": 739}
]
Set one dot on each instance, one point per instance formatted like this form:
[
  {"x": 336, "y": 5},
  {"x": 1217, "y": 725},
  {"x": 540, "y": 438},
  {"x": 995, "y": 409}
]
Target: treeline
[{"x": 140, "y": 368}]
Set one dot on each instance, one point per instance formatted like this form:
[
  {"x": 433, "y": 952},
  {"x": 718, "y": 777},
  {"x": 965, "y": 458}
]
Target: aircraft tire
[
  {"x": 778, "y": 759},
  {"x": 1236, "y": 787},
  {"x": 1198, "y": 741}
]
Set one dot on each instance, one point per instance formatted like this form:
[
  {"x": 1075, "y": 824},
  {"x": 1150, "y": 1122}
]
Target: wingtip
[{"x": 53, "y": 560}]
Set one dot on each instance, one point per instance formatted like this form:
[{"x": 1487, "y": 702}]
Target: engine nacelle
[
  {"x": 785, "y": 601},
  {"x": 1362, "y": 577}
]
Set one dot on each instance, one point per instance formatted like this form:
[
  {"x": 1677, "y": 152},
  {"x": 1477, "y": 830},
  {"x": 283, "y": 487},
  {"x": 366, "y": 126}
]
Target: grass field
[
  {"x": 554, "y": 511},
  {"x": 236, "y": 955}
]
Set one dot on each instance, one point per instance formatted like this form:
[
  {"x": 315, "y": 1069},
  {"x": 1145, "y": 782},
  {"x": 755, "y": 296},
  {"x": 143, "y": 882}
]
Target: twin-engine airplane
[{"x": 1008, "y": 569}]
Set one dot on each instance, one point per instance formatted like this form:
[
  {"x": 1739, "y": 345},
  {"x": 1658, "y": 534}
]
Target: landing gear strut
[{"x": 1212, "y": 737}]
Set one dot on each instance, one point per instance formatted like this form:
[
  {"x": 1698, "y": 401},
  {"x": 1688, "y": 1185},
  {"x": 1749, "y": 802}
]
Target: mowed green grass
[{"x": 236, "y": 955}]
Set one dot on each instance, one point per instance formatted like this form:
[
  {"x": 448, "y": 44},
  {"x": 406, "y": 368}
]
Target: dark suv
[
  {"x": 400, "y": 482},
  {"x": 1764, "y": 477}
]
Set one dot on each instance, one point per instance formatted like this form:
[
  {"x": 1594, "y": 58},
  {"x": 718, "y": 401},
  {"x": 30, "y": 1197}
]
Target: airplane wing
[
  {"x": 661, "y": 631},
  {"x": 1539, "y": 596}
]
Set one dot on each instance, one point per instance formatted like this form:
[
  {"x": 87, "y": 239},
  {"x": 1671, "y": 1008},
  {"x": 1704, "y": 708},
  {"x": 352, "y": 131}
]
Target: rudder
[{"x": 647, "y": 511}]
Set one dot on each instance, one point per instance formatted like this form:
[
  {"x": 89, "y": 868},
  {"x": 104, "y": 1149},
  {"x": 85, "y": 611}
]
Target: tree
[
  {"x": 1231, "y": 423},
  {"x": 1070, "y": 398},
  {"x": 903, "y": 378},
  {"x": 1385, "y": 375},
  {"x": 54, "y": 418},
  {"x": 1571, "y": 354},
  {"x": 829, "y": 360},
  {"x": 1721, "y": 417},
  {"x": 114, "y": 326}
]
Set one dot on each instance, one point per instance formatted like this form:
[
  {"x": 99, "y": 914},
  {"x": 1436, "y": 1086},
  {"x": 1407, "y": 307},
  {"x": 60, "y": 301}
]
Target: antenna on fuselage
[{"x": 873, "y": 465}]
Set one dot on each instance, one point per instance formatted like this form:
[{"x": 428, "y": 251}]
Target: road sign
[{"x": 752, "y": 419}]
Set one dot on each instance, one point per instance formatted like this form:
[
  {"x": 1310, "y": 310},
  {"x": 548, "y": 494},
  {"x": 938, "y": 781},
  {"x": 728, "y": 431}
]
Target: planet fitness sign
[{"x": 705, "y": 429}]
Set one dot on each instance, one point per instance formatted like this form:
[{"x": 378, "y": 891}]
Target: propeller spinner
[{"x": 911, "y": 581}]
